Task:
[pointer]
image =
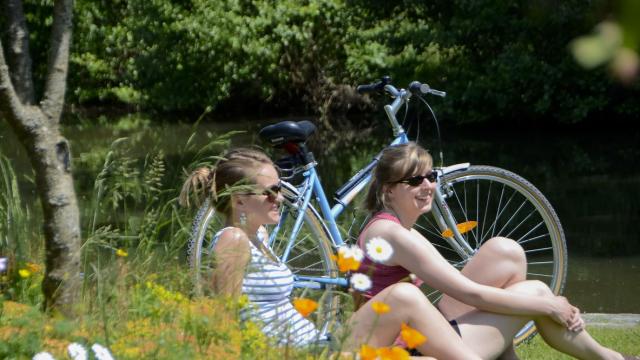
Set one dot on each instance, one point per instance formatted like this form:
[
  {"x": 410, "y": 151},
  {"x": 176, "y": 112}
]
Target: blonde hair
[
  {"x": 396, "y": 163},
  {"x": 236, "y": 167}
]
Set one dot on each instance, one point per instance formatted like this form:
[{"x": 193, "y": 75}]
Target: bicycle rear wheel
[
  {"x": 309, "y": 254},
  {"x": 503, "y": 204}
]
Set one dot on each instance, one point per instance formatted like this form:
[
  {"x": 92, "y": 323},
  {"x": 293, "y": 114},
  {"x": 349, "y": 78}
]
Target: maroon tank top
[{"x": 381, "y": 275}]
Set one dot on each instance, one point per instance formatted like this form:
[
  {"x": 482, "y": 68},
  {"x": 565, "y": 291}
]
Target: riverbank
[{"x": 612, "y": 320}]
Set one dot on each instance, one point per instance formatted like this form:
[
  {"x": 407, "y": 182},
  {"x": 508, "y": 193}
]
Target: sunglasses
[
  {"x": 271, "y": 192},
  {"x": 417, "y": 180}
]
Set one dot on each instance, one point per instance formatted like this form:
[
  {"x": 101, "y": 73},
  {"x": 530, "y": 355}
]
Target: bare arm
[
  {"x": 413, "y": 252},
  {"x": 232, "y": 256}
]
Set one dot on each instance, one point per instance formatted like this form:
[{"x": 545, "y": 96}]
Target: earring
[{"x": 243, "y": 219}]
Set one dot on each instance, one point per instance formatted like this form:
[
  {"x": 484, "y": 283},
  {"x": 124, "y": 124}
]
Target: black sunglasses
[
  {"x": 432, "y": 176},
  {"x": 271, "y": 192}
]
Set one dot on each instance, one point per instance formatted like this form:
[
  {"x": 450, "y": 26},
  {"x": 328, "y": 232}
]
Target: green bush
[{"x": 500, "y": 61}]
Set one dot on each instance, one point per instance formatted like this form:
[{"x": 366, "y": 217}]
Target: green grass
[{"x": 625, "y": 340}]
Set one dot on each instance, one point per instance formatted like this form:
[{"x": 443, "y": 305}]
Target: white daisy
[
  {"x": 352, "y": 251},
  {"x": 77, "y": 352},
  {"x": 379, "y": 249},
  {"x": 358, "y": 254},
  {"x": 345, "y": 251},
  {"x": 43, "y": 356},
  {"x": 101, "y": 352},
  {"x": 360, "y": 282}
]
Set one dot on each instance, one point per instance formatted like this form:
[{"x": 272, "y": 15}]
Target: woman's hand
[
  {"x": 562, "y": 311},
  {"x": 566, "y": 314},
  {"x": 577, "y": 323}
]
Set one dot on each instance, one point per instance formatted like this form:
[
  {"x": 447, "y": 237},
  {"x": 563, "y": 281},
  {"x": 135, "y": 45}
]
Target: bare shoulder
[
  {"x": 386, "y": 229},
  {"x": 233, "y": 238}
]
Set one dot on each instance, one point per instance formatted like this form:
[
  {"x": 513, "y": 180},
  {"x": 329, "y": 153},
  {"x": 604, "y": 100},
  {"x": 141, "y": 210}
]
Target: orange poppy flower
[
  {"x": 346, "y": 263},
  {"x": 305, "y": 306},
  {"x": 411, "y": 336},
  {"x": 367, "y": 352},
  {"x": 394, "y": 353},
  {"x": 34, "y": 268},
  {"x": 380, "y": 308},
  {"x": 462, "y": 228}
]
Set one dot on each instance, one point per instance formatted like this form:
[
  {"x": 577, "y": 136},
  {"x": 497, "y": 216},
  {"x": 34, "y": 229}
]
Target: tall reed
[{"x": 15, "y": 218}]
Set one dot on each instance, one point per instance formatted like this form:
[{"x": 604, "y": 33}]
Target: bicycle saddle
[{"x": 287, "y": 131}]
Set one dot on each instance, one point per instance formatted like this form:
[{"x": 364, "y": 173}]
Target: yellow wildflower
[
  {"x": 380, "y": 308},
  {"x": 24, "y": 273},
  {"x": 411, "y": 336},
  {"x": 305, "y": 306},
  {"x": 121, "y": 253}
]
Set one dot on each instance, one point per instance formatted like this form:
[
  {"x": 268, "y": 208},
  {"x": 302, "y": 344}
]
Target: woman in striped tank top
[{"x": 244, "y": 185}]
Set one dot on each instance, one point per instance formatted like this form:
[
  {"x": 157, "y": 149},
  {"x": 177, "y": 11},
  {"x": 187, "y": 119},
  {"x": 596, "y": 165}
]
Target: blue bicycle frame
[{"x": 312, "y": 185}]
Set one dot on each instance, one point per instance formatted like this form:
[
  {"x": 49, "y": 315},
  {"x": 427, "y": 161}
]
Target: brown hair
[
  {"x": 396, "y": 163},
  {"x": 236, "y": 167}
]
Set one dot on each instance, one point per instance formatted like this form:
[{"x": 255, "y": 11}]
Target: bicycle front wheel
[{"x": 503, "y": 204}]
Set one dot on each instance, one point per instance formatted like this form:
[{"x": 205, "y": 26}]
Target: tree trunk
[{"x": 37, "y": 128}]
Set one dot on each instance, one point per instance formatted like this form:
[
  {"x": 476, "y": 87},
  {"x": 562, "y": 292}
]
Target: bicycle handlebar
[
  {"x": 400, "y": 97},
  {"x": 385, "y": 83}
]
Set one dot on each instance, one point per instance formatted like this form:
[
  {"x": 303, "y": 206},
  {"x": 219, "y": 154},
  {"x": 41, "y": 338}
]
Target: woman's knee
[
  {"x": 532, "y": 287},
  {"x": 506, "y": 248},
  {"x": 407, "y": 294}
]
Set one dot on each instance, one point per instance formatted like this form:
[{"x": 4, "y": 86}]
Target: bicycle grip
[
  {"x": 416, "y": 87},
  {"x": 377, "y": 86},
  {"x": 364, "y": 89}
]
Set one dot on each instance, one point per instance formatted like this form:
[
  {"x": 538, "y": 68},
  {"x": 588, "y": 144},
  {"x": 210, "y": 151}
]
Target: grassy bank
[
  {"x": 157, "y": 323},
  {"x": 625, "y": 340}
]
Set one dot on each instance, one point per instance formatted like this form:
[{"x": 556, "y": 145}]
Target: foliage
[
  {"x": 499, "y": 60},
  {"x": 137, "y": 301},
  {"x": 165, "y": 325}
]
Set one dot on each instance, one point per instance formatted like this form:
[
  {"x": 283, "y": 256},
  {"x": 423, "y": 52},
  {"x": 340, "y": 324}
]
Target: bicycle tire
[
  {"x": 310, "y": 255},
  {"x": 521, "y": 212}
]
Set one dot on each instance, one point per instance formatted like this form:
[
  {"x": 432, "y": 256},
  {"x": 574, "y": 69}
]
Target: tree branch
[
  {"x": 10, "y": 105},
  {"x": 58, "y": 66},
  {"x": 18, "y": 52}
]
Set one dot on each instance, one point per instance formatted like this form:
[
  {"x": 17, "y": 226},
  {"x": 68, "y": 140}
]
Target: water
[{"x": 591, "y": 179}]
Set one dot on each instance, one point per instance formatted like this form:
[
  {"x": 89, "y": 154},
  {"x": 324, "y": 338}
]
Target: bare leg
[
  {"x": 487, "y": 333},
  {"x": 500, "y": 262},
  {"x": 577, "y": 344},
  {"x": 409, "y": 305}
]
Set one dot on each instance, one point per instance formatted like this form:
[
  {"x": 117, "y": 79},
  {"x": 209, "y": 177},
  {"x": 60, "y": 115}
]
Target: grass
[{"x": 625, "y": 340}]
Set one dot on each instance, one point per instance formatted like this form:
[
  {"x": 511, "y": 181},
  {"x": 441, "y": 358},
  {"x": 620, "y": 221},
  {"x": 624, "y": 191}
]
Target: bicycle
[{"x": 499, "y": 201}]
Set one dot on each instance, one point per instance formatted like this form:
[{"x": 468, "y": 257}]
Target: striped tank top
[{"x": 268, "y": 286}]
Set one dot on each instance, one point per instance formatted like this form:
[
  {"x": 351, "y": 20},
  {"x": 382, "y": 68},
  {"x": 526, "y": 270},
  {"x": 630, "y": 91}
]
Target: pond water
[{"x": 592, "y": 179}]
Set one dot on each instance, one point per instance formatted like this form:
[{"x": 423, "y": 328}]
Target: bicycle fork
[{"x": 445, "y": 220}]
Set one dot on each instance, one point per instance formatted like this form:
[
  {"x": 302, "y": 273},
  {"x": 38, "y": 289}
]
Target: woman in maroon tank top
[{"x": 490, "y": 299}]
